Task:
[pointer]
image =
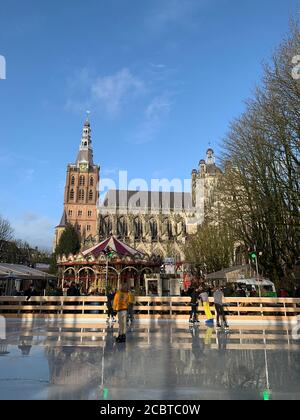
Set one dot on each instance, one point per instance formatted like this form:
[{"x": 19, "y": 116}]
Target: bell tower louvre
[{"x": 81, "y": 191}]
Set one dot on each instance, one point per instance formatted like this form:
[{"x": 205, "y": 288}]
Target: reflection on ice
[{"x": 159, "y": 361}]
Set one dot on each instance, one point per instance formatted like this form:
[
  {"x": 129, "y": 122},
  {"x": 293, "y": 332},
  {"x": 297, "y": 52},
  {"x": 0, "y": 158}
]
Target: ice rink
[{"x": 160, "y": 360}]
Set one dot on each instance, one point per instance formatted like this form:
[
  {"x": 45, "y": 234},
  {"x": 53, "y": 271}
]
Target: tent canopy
[
  {"x": 254, "y": 282},
  {"x": 12, "y": 271},
  {"x": 114, "y": 244}
]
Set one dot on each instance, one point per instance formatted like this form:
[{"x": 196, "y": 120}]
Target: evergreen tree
[{"x": 69, "y": 242}]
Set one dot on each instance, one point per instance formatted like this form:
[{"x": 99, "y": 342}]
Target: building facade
[
  {"x": 81, "y": 192},
  {"x": 153, "y": 222}
]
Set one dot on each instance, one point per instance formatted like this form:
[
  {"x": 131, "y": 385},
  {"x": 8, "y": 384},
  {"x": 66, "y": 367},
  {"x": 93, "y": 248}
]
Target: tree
[
  {"x": 260, "y": 191},
  {"x": 6, "y": 233},
  {"x": 210, "y": 249},
  {"x": 69, "y": 242}
]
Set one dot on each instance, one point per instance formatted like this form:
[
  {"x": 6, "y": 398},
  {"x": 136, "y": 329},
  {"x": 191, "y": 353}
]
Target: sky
[{"x": 162, "y": 79}]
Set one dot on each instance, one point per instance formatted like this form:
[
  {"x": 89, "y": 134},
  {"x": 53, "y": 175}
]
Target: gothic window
[
  {"x": 73, "y": 180},
  {"x": 90, "y": 195},
  {"x": 169, "y": 230},
  {"x": 137, "y": 229},
  {"x": 81, "y": 195},
  {"x": 88, "y": 228},
  {"x": 89, "y": 213},
  {"x": 70, "y": 212},
  {"x": 153, "y": 230},
  {"x": 91, "y": 181},
  {"x": 72, "y": 194},
  {"x": 79, "y": 212},
  {"x": 106, "y": 226},
  {"x": 81, "y": 180},
  {"x": 121, "y": 227}
]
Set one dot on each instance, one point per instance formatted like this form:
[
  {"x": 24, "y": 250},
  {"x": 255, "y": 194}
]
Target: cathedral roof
[
  {"x": 148, "y": 199},
  {"x": 63, "y": 220},
  {"x": 85, "y": 155},
  {"x": 213, "y": 169}
]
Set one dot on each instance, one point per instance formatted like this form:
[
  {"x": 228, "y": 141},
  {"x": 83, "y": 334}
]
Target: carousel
[{"x": 106, "y": 265}]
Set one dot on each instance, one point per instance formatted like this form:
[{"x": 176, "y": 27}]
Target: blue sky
[{"x": 162, "y": 79}]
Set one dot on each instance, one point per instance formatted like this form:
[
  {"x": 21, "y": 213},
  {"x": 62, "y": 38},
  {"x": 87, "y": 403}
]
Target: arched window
[
  {"x": 81, "y": 195},
  {"x": 169, "y": 229},
  {"x": 91, "y": 181},
  {"x": 72, "y": 194},
  {"x": 153, "y": 230},
  {"x": 106, "y": 226},
  {"x": 81, "y": 180},
  {"x": 91, "y": 195},
  {"x": 121, "y": 227},
  {"x": 138, "y": 229},
  {"x": 73, "y": 180}
]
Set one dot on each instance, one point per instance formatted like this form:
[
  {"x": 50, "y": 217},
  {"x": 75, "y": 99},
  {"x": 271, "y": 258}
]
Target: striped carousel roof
[{"x": 114, "y": 244}]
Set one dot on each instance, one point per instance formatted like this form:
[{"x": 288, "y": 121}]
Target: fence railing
[{"x": 285, "y": 309}]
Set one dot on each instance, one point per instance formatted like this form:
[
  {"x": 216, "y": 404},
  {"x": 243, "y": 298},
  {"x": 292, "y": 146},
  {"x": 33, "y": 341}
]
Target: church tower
[
  {"x": 204, "y": 180},
  {"x": 81, "y": 191}
]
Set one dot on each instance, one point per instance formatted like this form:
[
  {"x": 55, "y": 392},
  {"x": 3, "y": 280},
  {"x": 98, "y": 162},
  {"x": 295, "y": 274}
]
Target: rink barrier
[{"x": 147, "y": 307}]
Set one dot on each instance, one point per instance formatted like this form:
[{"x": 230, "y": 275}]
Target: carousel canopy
[{"x": 115, "y": 245}]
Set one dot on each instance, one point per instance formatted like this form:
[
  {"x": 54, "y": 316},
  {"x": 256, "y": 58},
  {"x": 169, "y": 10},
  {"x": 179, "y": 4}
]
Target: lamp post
[
  {"x": 257, "y": 273},
  {"x": 106, "y": 274},
  {"x": 109, "y": 253},
  {"x": 253, "y": 256}
]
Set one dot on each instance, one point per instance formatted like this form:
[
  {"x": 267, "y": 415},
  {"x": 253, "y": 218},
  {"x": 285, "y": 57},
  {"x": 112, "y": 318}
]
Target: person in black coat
[
  {"x": 72, "y": 290},
  {"x": 30, "y": 292},
  {"x": 194, "y": 306}
]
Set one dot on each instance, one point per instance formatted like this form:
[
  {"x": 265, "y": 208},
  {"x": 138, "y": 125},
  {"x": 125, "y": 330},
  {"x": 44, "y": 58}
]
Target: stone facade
[{"x": 155, "y": 223}]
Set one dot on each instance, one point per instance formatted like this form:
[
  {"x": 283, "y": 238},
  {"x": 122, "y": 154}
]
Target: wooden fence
[{"x": 178, "y": 308}]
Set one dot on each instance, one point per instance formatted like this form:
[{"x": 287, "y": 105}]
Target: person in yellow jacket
[
  {"x": 120, "y": 305},
  {"x": 205, "y": 301}
]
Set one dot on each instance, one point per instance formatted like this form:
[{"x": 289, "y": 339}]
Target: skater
[
  {"x": 205, "y": 301},
  {"x": 218, "y": 299},
  {"x": 110, "y": 310},
  {"x": 120, "y": 305},
  {"x": 194, "y": 307}
]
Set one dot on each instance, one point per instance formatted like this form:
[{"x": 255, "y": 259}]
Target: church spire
[{"x": 85, "y": 155}]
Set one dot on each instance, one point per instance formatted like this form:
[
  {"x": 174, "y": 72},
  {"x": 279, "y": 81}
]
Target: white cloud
[
  {"x": 115, "y": 90},
  {"x": 110, "y": 93},
  {"x": 34, "y": 229},
  {"x": 155, "y": 112},
  {"x": 159, "y": 106},
  {"x": 158, "y": 66}
]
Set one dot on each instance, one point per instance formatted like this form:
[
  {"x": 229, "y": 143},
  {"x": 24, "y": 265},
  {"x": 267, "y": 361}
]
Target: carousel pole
[{"x": 106, "y": 274}]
